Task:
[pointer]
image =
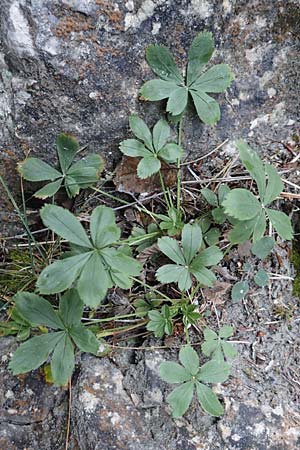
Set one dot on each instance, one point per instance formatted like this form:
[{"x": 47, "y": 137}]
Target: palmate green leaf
[
  {"x": 207, "y": 107},
  {"x": 134, "y": 148},
  {"x": 200, "y": 53},
  {"x": 281, "y": 222},
  {"x": 239, "y": 291},
  {"x": 33, "y": 353},
  {"x": 209, "y": 334},
  {"x": 49, "y": 190},
  {"x": 63, "y": 361},
  {"x": 241, "y": 204},
  {"x": 161, "y": 134},
  {"x": 208, "y": 347},
  {"x": 209, "y": 401},
  {"x": 148, "y": 166},
  {"x": 34, "y": 169},
  {"x": 263, "y": 247},
  {"x": 253, "y": 164},
  {"x": 170, "y": 152},
  {"x": 218, "y": 215},
  {"x": 172, "y": 372},
  {"x": 155, "y": 90},
  {"x": 37, "y": 311},
  {"x": 93, "y": 281},
  {"x": 171, "y": 249},
  {"x": 65, "y": 224},
  {"x": 60, "y": 275},
  {"x": 71, "y": 308},
  {"x": 191, "y": 241},
  {"x": 177, "y": 100},
  {"x": 160, "y": 322},
  {"x": 242, "y": 231},
  {"x": 120, "y": 262},
  {"x": 189, "y": 359},
  {"x": 141, "y": 130},
  {"x": 216, "y": 79},
  {"x": 226, "y": 331},
  {"x": 104, "y": 230},
  {"x": 67, "y": 147},
  {"x": 274, "y": 186},
  {"x": 214, "y": 372},
  {"x": 229, "y": 350},
  {"x": 162, "y": 63},
  {"x": 180, "y": 399},
  {"x": 223, "y": 190},
  {"x": 261, "y": 278},
  {"x": 85, "y": 340},
  {"x": 212, "y": 236}
]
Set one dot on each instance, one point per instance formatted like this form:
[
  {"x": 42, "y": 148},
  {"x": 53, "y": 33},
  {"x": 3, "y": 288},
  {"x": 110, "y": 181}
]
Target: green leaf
[
  {"x": 189, "y": 359},
  {"x": 63, "y": 361},
  {"x": 210, "y": 196},
  {"x": 172, "y": 372},
  {"x": 214, "y": 372},
  {"x": 171, "y": 273},
  {"x": 71, "y": 186},
  {"x": 148, "y": 166},
  {"x": 208, "y": 347},
  {"x": 239, "y": 290},
  {"x": 104, "y": 230},
  {"x": 71, "y": 308},
  {"x": 34, "y": 169},
  {"x": 160, "y": 322},
  {"x": 207, "y": 107},
  {"x": 226, "y": 331},
  {"x": 209, "y": 334},
  {"x": 229, "y": 350},
  {"x": 155, "y": 90},
  {"x": 259, "y": 227},
  {"x": 67, "y": 147},
  {"x": 37, "y": 310},
  {"x": 141, "y": 130},
  {"x": 263, "y": 247},
  {"x": 216, "y": 79},
  {"x": 253, "y": 164},
  {"x": 161, "y": 133},
  {"x": 212, "y": 236},
  {"x": 180, "y": 399},
  {"x": 60, "y": 275},
  {"x": 93, "y": 281},
  {"x": 33, "y": 353},
  {"x": 177, "y": 100},
  {"x": 200, "y": 53},
  {"x": 120, "y": 262},
  {"x": 85, "y": 340},
  {"x": 261, "y": 278},
  {"x": 49, "y": 190},
  {"x": 241, "y": 204},
  {"x": 65, "y": 224},
  {"x": 134, "y": 148},
  {"x": 209, "y": 401},
  {"x": 171, "y": 249},
  {"x": 205, "y": 276},
  {"x": 282, "y": 223},
  {"x": 223, "y": 190},
  {"x": 191, "y": 241},
  {"x": 208, "y": 257},
  {"x": 274, "y": 186},
  {"x": 86, "y": 171},
  {"x": 162, "y": 63},
  {"x": 170, "y": 153},
  {"x": 81, "y": 178},
  {"x": 242, "y": 231}
]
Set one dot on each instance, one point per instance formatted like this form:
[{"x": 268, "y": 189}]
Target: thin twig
[{"x": 205, "y": 156}]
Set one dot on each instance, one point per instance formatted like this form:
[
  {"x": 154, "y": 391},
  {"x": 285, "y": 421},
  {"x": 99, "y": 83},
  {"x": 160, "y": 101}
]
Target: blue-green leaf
[
  {"x": 180, "y": 399},
  {"x": 162, "y": 63},
  {"x": 172, "y": 372},
  {"x": 200, "y": 53}
]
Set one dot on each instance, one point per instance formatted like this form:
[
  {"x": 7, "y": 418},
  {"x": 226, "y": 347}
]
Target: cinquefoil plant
[
  {"x": 251, "y": 212},
  {"x": 99, "y": 262},
  {"x": 176, "y": 88},
  {"x": 73, "y": 177},
  {"x": 192, "y": 376},
  {"x": 69, "y": 332},
  {"x": 188, "y": 259},
  {"x": 152, "y": 148}
]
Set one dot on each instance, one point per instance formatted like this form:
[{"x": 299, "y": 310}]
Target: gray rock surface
[{"x": 76, "y": 66}]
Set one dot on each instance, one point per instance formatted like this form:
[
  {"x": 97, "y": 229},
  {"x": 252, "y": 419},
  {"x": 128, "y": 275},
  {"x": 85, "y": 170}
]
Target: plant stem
[
  {"x": 164, "y": 189},
  {"x": 151, "y": 288},
  {"x": 178, "y": 166}
]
